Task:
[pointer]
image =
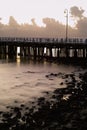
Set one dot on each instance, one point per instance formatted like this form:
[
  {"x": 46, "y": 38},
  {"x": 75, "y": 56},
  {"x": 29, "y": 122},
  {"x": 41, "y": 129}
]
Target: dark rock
[{"x": 61, "y": 83}]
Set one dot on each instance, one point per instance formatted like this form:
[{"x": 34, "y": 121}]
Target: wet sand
[{"x": 64, "y": 108}]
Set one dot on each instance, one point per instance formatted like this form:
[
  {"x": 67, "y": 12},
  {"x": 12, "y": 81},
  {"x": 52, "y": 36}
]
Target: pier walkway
[{"x": 43, "y": 47}]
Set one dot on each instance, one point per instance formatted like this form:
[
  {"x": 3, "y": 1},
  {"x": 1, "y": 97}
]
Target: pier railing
[{"x": 42, "y": 40}]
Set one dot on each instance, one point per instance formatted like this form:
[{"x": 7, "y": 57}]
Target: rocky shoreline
[{"x": 64, "y": 108}]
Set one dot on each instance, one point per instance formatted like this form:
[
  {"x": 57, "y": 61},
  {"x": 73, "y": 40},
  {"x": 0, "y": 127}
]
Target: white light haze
[{"x": 24, "y": 10}]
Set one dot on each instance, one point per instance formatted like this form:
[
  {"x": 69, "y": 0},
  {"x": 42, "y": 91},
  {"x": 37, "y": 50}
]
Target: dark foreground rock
[{"x": 65, "y": 110}]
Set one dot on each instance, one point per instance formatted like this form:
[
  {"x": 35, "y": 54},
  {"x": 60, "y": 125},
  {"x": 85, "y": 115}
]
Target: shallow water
[{"x": 24, "y": 81}]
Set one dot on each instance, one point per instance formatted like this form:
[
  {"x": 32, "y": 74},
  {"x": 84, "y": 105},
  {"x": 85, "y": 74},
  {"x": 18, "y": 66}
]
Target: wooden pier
[{"x": 43, "y": 48}]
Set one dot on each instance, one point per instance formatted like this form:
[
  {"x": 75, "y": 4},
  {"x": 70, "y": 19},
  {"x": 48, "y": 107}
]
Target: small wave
[
  {"x": 29, "y": 72},
  {"x": 21, "y": 85},
  {"x": 41, "y": 84}
]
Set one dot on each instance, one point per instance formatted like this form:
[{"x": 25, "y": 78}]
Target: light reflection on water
[{"x": 22, "y": 81}]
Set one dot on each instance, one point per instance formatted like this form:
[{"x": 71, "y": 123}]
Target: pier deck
[{"x": 43, "y": 47}]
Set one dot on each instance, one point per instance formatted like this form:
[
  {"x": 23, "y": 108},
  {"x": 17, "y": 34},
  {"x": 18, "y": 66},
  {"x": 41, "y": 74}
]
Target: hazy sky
[
  {"x": 26, "y": 17},
  {"x": 24, "y": 10}
]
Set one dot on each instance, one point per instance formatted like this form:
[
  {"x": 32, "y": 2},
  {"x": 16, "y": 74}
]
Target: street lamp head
[{"x": 66, "y": 12}]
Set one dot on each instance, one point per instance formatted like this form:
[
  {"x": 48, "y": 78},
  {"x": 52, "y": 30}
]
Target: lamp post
[{"x": 66, "y": 12}]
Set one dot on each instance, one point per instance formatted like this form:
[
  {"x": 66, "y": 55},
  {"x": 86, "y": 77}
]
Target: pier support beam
[
  {"x": 12, "y": 51},
  {"x": 75, "y": 53},
  {"x": 50, "y": 50},
  {"x": 86, "y": 52},
  {"x": 58, "y": 53},
  {"x": 83, "y": 53},
  {"x": 35, "y": 52},
  {"x": 67, "y": 52}
]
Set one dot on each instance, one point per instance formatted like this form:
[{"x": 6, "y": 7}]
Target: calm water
[{"x": 25, "y": 81}]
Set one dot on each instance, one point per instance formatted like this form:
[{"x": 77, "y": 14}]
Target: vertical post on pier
[
  {"x": 38, "y": 51},
  {"x": 35, "y": 52},
  {"x": 58, "y": 53},
  {"x": 75, "y": 53},
  {"x": 28, "y": 51},
  {"x": 4, "y": 51},
  {"x": 67, "y": 52},
  {"x": 83, "y": 53},
  {"x": 50, "y": 50},
  {"x": 86, "y": 52}
]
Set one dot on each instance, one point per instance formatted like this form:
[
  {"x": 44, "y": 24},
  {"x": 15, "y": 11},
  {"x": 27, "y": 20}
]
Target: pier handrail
[{"x": 42, "y": 40}]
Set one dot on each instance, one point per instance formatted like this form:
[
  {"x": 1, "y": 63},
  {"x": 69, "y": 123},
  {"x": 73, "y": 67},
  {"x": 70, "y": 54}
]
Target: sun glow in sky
[{"x": 24, "y": 10}]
